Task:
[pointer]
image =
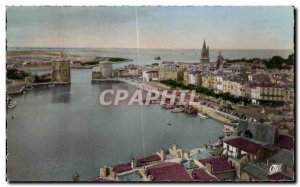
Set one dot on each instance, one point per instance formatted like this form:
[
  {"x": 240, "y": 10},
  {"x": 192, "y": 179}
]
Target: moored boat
[
  {"x": 177, "y": 110},
  {"x": 10, "y": 106},
  {"x": 167, "y": 106},
  {"x": 203, "y": 116}
]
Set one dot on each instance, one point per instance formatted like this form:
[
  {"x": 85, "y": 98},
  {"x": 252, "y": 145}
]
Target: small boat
[
  {"x": 13, "y": 102},
  {"x": 168, "y": 123},
  {"x": 167, "y": 107},
  {"x": 177, "y": 110},
  {"x": 157, "y": 58},
  {"x": 51, "y": 85},
  {"x": 204, "y": 116},
  {"x": 11, "y": 105}
]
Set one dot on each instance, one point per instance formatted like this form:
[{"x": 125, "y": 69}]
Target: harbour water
[{"x": 62, "y": 130}]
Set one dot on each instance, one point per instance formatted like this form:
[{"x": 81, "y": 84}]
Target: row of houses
[
  {"x": 259, "y": 85},
  {"x": 235, "y": 158}
]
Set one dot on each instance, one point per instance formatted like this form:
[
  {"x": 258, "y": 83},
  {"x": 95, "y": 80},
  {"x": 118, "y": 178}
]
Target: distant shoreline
[{"x": 95, "y": 48}]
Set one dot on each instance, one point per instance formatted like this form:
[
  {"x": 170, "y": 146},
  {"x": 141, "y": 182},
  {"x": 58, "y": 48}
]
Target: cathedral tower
[{"x": 205, "y": 53}]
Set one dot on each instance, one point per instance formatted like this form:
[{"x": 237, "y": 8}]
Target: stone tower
[
  {"x": 106, "y": 69},
  {"x": 220, "y": 61},
  {"x": 61, "y": 70},
  {"x": 204, "y": 54}
]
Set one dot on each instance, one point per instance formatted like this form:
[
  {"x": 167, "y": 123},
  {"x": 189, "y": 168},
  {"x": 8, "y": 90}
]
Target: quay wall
[
  {"x": 213, "y": 114},
  {"x": 105, "y": 80},
  {"x": 25, "y": 87}
]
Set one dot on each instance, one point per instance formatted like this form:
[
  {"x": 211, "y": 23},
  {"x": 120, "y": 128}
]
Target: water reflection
[{"x": 61, "y": 94}]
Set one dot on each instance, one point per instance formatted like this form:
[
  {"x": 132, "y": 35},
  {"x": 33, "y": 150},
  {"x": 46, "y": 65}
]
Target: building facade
[{"x": 151, "y": 75}]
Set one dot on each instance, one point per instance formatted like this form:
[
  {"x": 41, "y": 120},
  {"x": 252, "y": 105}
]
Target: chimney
[
  {"x": 102, "y": 172},
  {"x": 112, "y": 173},
  {"x": 133, "y": 163},
  {"x": 188, "y": 156},
  {"x": 162, "y": 155},
  {"x": 181, "y": 153},
  {"x": 150, "y": 178},
  {"x": 209, "y": 168},
  {"x": 174, "y": 146}
]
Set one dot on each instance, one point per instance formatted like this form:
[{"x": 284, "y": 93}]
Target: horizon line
[{"x": 154, "y": 48}]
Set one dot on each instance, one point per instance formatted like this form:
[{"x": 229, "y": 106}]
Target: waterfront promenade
[{"x": 210, "y": 110}]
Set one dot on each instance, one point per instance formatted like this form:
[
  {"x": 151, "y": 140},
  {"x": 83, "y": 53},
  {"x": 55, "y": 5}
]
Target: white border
[{"x": 107, "y": 3}]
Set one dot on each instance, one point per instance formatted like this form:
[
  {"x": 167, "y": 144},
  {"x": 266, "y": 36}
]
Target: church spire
[{"x": 204, "y": 45}]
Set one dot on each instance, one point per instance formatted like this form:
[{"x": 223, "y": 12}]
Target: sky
[{"x": 151, "y": 27}]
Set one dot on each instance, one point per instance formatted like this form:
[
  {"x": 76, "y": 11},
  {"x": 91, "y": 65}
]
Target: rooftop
[
  {"x": 255, "y": 171},
  {"x": 285, "y": 157},
  {"x": 218, "y": 164},
  {"x": 146, "y": 160},
  {"x": 131, "y": 176},
  {"x": 168, "y": 171},
  {"x": 286, "y": 142},
  {"x": 279, "y": 177},
  {"x": 189, "y": 164},
  {"x": 201, "y": 155},
  {"x": 202, "y": 175},
  {"x": 151, "y": 71},
  {"x": 244, "y": 144},
  {"x": 122, "y": 168}
]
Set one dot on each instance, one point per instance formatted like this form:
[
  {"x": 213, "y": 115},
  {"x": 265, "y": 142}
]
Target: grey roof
[
  {"x": 189, "y": 164},
  {"x": 132, "y": 176},
  {"x": 261, "y": 132},
  {"x": 201, "y": 155},
  {"x": 242, "y": 126},
  {"x": 284, "y": 157},
  {"x": 255, "y": 171}
]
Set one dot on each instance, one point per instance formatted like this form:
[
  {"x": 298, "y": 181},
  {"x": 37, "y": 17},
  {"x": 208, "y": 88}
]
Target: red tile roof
[
  {"x": 286, "y": 142},
  {"x": 278, "y": 177},
  {"x": 201, "y": 175},
  {"x": 122, "y": 168},
  {"x": 146, "y": 160},
  {"x": 244, "y": 144},
  {"x": 218, "y": 164},
  {"x": 152, "y": 71},
  {"x": 168, "y": 171}
]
